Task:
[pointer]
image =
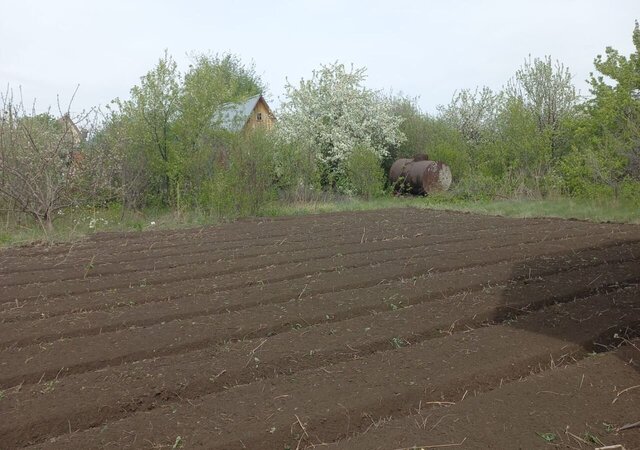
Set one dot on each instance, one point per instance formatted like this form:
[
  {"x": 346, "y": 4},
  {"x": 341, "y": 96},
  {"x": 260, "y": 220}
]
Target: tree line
[{"x": 163, "y": 147}]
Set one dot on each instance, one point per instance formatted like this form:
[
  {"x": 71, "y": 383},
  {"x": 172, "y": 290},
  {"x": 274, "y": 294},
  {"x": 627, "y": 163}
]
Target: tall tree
[
  {"x": 473, "y": 113},
  {"x": 211, "y": 81},
  {"x": 153, "y": 108},
  {"x": 44, "y": 168},
  {"x": 333, "y": 112},
  {"x": 544, "y": 88},
  {"x": 615, "y": 106}
]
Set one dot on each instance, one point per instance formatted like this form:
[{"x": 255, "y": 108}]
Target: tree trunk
[
  {"x": 166, "y": 197},
  {"x": 48, "y": 223}
]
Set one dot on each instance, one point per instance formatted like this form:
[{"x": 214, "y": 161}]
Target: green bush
[
  {"x": 431, "y": 135},
  {"x": 590, "y": 173},
  {"x": 243, "y": 181},
  {"x": 296, "y": 170},
  {"x": 456, "y": 157},
  {"x": 476, "y": 186},
  {"x": 630, "y": 192},
  {"x": 364, "y": 175}
]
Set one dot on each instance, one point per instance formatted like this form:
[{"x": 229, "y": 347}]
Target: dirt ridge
[{"x": 352, "y": 324}]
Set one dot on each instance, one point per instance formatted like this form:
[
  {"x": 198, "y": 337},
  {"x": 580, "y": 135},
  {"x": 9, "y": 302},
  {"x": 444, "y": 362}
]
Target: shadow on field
[{"x": 590, "y": 298}]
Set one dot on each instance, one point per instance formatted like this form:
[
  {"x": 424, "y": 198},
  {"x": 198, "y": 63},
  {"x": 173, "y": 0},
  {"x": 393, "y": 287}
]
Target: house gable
[
  {"x": 251, "y": 114},
  {"x": 260, "y": 116},
  {"x": 76, "y": 135}
]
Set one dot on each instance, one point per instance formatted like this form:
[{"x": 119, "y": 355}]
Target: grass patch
[
  {"x": 75, "y": 224},
  {"x": 78, "y": 223},
  {"x": 596, "y": 211},
  {"x": 397, "y": 342},
  {"x": 547, "y": 437}
]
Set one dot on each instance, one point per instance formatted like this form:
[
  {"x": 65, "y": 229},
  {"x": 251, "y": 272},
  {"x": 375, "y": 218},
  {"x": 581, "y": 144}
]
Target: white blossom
[{"x": 333, "y": 112}]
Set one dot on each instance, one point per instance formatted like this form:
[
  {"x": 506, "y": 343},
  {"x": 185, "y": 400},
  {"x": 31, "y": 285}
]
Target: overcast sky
[{"x": 427, "y": 49}]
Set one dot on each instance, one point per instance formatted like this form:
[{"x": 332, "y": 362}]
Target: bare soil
[{"x": 387, "y": 329}]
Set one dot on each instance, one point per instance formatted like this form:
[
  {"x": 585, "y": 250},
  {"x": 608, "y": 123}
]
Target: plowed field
[{"x": 386, "y": 329}]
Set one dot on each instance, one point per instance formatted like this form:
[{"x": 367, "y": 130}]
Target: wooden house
[
  {"x": 248, "y": 115},
  {"x": 71, "y": 131}
]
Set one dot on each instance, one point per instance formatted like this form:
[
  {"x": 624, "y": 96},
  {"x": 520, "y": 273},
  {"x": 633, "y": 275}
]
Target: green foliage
[
  {"x": 178, "y": 443},
  {"x": 476, "y": 186},
  {"x": 493, "y": 142},
  {"x": 398, "y": 342},
  {"x": 210, "y": 82},
  {"x": 613, "y": 123},
  {"x": 162, "y": 150},
  {"x": 545, "y": 89},
  {"x": 530, "y": 140},
  {"x": 520, "y": 154},
  {"x": 448, "y": 145},
  {"x": 434, "y": 136},
  {"x": 243, "y": 182},
  {"x": 297, "y": 171},
  {"x": 213, "y": 80},
  {"x": 629, "y": 192},
  {"x": 364, "y": 176},
  {"x": 149, "y": 115},
  {"x": 604, "y": 159},
  {"x": 163, "y": 140},
  {"x": 547, "y": 437},
  {"x": 44, "y": 163},
  {"x": 414, "y": 126},
  {"x": 124, "y": 164},
  {"x": 589, "y": 173},
  {"x": 473, "y": 114},
  {"x": 332, "y": 113}
]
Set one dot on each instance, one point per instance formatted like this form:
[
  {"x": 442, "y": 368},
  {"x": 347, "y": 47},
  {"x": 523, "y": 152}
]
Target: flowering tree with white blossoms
[{"x": 333, "y": 113}]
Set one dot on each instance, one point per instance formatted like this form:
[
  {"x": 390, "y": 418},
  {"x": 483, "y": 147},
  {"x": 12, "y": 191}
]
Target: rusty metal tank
[
  {"x": 419, "y": 176},
  {"x": 397, "y": 171}
]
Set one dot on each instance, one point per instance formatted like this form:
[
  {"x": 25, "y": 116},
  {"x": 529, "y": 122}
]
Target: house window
[{"x": 259, "y": 117}]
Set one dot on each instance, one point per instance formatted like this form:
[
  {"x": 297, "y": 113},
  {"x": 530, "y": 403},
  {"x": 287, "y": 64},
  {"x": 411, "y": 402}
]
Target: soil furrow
[
  {"x": 203, "y": 272},
  {"x": 48, "y": 360},
  {"x": 293, "y": 332},
  {"x": 135, "y": 242},
  {"x": 281, "y": 291},
  {"x": 346, "y": 394},
  {"x": 139, "y": 290},
  {"x": 125, "y": 251},
  {"x": 553, "y": 398},
  {"x": 239, "y": 260},
  {"x": 147, "y": 384},
  {"x": 17, "y": 334}
]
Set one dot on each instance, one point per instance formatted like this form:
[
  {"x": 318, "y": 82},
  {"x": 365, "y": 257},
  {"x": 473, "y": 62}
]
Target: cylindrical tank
[
  {"x": 425, "y": 177},
  {"x": 419, "y": 176},
  {"x": 397, "y": 172}
]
